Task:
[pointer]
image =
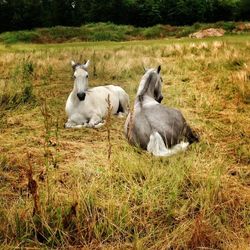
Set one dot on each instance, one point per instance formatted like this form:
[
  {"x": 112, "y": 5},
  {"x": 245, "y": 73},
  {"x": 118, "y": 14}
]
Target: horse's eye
[{"x": 87, "y": 76}]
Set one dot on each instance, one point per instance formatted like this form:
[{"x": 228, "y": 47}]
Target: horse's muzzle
[
  {"x": 160, "y": 99},
  {"x": 81, "y": 96}
]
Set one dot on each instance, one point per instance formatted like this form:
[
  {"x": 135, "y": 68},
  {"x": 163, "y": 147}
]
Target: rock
[{"x": 207, "y": 33}]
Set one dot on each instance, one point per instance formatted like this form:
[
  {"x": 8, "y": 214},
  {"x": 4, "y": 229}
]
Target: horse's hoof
[
  {"x": 79, "y": 126},
  {"x": 68, "y": 125},
  {"x": 121, "y": 115},
  {"x": 99, "y": 125}
]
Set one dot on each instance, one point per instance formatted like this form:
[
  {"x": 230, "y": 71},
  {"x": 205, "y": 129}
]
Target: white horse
[
  {"x": 158, "y": 129},
  {"x": 86, "y": 107}
]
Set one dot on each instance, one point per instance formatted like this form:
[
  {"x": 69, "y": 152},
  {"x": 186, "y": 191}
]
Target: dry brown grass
[{"x": 94, "y": 198}]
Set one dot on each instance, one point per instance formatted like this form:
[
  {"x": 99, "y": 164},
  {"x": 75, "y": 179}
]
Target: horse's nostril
[{"x": 81, "y": 96}]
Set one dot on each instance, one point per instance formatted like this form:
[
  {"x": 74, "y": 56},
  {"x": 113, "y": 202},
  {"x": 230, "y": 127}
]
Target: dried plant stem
[
  {"x": 33, "y": 187},
  {"x": 56, "y": 145},
  {"x": 94, "y": 64},
  {"x": 47, "y": 153},
  {"x": 108, "y": 126},
  {"x": 130, "y": 124}
]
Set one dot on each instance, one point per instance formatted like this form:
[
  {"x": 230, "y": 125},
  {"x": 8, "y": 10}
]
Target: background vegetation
[
  {"x": 27, "y": 14},
  {"x": 58, "y": 187},
  {"x": 113, "y": 32}
]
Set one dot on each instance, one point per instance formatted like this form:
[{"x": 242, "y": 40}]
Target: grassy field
[{"x": 59, "y": 189}]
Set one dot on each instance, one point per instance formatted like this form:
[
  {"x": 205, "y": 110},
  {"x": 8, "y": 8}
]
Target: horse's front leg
[
  {"x": 72, "y": 124},
  {"x": 95, "y": 122}
]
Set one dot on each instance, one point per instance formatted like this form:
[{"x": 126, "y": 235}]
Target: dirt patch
[{"x": 207, "y": 33}]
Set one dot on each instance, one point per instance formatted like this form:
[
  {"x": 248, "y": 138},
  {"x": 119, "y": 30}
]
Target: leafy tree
[
  {"x": 19, "y": 14},
  {"x": 244, "y": 10},
  {"x": 26, "y": 14}
]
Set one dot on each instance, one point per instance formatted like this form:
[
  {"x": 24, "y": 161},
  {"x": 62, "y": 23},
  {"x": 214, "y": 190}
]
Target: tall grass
[
  {"x": 87, "y": 196},
  {"x": 19, "y": 89}
]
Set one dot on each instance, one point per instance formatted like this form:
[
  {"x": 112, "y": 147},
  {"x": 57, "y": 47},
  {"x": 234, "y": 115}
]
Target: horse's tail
[{"x": 157, "y": 147}]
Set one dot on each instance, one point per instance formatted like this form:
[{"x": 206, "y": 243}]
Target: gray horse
[{"x": 158, "y": 129}]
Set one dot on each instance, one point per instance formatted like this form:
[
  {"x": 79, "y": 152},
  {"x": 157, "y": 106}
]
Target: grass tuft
[{"x": 19, "y": 90}]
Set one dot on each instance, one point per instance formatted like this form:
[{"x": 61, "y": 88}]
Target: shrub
[
  {"x": 228, "y": 26},
  {"x": 153, "y": 32},
  {"x": 185, "y": 31},
  {"x": 19, "y": 36}
]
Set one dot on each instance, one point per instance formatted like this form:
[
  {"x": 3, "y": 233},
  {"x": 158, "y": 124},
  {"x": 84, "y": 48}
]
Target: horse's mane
[{"x": 149, "y": 83}]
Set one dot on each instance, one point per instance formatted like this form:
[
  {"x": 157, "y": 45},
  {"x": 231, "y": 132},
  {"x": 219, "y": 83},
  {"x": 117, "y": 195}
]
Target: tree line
[{"x": 27, "y": 14}]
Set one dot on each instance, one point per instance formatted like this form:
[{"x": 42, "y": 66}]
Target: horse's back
[
  {"x": 119, "y": 91},
  {"x": 110, "y": 89},
  {"x": 161, "y": 116},
  {"x": 123, "y": 98},
  {"x": 98, "y": 98},
  {"x": 117, "y": 96},
  {"x": 114, "y": 88}
]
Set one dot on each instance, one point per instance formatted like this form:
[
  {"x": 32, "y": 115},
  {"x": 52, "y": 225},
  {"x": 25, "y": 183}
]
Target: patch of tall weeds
[
  {"x": 19, "y": 36},
  {"x": 19, "y": 89}
]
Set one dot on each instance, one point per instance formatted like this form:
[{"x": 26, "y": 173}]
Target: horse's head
[
  {"x": 81, "y": 79},
  {"x": 151, "y": 84}
]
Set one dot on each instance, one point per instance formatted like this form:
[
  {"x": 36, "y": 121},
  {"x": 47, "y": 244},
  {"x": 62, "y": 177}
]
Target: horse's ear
[
  {"x": 85, "y": 66},
  {"x": 144, "y": 68},
  {"x": 73, "y": 64},
  {"x": 159, "y": 69}
]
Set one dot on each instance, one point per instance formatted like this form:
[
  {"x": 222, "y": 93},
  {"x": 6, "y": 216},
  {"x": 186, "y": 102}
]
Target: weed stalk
[
  {"x": 108, "y": 126},
  {"x": 33, "y": 187},
  {"x": 47, "y": 153}
]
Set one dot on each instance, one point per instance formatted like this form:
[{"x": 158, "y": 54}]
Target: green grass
[{"x": 197, "y": 199}]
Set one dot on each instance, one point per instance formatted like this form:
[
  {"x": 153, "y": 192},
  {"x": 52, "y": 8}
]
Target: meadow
[{"x": 90, "y": 189}]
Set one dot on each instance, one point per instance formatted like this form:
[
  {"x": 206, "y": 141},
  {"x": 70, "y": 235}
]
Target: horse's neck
[
  {"x": 145, "y": 102},
  {"x": 148, "y": 96}
]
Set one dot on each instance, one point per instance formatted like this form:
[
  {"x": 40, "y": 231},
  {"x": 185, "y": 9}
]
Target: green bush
[
  {"x": 185, "y": 31},
  {"x": 228, "y": 26},
  {"x": 153, "y": 32},
  {"x": 19, "y": 36}
]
